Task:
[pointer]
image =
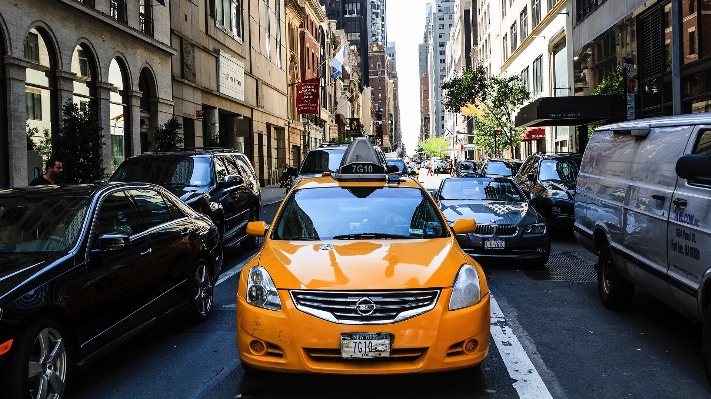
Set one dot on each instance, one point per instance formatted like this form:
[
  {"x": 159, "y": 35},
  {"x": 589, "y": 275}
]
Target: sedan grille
[
  {"x": 365, "y": 307},
  {"x": 496, "y": 229}
]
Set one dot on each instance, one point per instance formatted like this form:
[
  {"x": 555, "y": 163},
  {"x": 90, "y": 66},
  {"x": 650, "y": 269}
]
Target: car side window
[
  {"x": 151, "y": 207},
  {"x": 220, "y": 169},
  {"x": 703, "y": 145},
  {"x": 116, "y": 216},
  {"x": 230, "y": 165},
  {"x": 247, "y": 172}
]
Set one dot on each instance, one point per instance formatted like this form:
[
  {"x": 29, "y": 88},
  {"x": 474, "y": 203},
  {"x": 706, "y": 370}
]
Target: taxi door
[{"x": 689, "y": 237}]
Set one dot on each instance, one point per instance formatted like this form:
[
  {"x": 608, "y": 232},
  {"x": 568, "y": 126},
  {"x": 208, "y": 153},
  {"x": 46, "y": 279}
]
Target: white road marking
[
  {"x": 224, "y": 276},
  {"x": 528, "y": 383}
]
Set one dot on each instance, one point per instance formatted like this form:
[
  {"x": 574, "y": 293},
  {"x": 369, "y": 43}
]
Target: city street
[{"x": 551, "y": 337}]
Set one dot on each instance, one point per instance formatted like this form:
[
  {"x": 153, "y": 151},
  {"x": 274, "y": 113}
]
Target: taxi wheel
[
  {"x": 202, "y": 284},
  {"x": 39, "y": 363},
  {"x": 616, "y": 292},
  {"x": 706, "y": 342},
  {"x": 251, "y": 242}
]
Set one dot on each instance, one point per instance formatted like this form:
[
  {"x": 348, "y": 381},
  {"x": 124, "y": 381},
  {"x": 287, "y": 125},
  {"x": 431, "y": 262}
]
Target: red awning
[{"x": 535, "y": 133}]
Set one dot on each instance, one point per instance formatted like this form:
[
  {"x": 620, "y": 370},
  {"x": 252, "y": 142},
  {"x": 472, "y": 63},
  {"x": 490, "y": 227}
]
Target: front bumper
[
  {"x": 298, "y": 342},
  {"x": 524, "y": 247}
]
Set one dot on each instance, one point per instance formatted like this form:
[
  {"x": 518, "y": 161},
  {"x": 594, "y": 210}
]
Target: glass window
[
  {"x": 117, "y": 10},
  {"x": 535, "y": 12},
  {"x": 524, "y": 24},
  {"x": 115, "y": 216},
  {"x": 359, "y": 212},
  {"x": 538, "y": 75},
  {"x": 267, "y": 31},
  {"x": 524, "y": 78},
  {"x": 514, "y": 38},
  {"x": 228, "y": 15},
  {"x": 703, "y": 146},
  {"x": 480, "y": 189},
  {"x": 558, "y": 170},
  {"x": 118, "y": 108},
  {"x": 506, "y": 47},
  {"x": 166, "y": 171},
  {"x": 37, "y": 84},
  {"x": 145, "y": 17},
  {"x": 152, "y": 207},
  {"x": 82, "y": 65}
]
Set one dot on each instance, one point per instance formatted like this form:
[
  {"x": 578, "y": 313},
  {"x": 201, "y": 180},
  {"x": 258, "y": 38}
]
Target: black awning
[{"x": 572, "y": 111}]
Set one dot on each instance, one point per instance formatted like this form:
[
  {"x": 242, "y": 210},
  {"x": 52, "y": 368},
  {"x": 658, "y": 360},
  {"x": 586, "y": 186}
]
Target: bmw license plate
[
  {"x": 365, "y": 345},
  {"x": 494, "y": 244}
]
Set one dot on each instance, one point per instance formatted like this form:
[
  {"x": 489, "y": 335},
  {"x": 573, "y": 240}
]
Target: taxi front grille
[
  {"x": 365, "y": 307},
  {"x": 496, "y": 229},
  {"x": 396, "y": 354}
]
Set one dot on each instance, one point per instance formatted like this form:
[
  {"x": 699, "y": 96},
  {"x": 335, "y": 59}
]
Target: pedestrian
[
  {"x": 284, "y": 176},
  {"x": 53, "y": 169},
  {"x": 429, "y": 168}
]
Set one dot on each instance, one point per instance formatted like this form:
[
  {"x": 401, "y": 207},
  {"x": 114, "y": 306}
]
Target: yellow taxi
[{"x": 359, "y": 273}]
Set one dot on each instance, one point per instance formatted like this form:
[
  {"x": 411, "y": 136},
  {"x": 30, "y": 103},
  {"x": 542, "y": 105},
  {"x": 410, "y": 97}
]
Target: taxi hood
[{"x": 363, "y": 264}]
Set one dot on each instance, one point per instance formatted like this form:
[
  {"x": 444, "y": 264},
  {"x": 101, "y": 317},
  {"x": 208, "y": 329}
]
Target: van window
[{"x": 703, "y": 146}]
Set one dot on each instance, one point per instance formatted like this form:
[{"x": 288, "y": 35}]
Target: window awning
[
  {"x": 534, "y": 133},
  {"x": 572, "y": 111}
]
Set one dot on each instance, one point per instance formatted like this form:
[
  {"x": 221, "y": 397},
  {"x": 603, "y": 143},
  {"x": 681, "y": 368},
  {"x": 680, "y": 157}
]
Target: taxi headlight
[
  {"x": 536, "y": 228},
  {"x": 556, "y": 194},
  {"x": 465, "y": 291},
  {"x": 261, "y": 291}
]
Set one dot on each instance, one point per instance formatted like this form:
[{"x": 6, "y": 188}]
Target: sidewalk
[{"x": 272, "y": 195}]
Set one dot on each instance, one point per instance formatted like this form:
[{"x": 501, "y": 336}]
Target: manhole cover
[{"x": 565, "y": 266}]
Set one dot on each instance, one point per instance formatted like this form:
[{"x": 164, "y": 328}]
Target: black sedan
[
  {"x": 83, "y": 268},
  {"x": 506, "y": 226}
]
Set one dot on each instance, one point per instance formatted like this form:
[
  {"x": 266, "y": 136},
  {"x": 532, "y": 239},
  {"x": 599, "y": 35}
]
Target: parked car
[
  {"x": 219, "y": 183},
  {"x": 506, "y": 227},
  {"x": 465, "y": 168},
  {"x": 549, "y": 181},
  {"x": 359, "y": 274},
  {"x": 83, "y": 268},
  {"x": 498, "y": 168},
  {"x": 642, "y": 205}
]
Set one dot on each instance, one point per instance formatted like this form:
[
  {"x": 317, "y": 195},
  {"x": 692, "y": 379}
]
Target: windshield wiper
[{"x": 367, "y": 236}]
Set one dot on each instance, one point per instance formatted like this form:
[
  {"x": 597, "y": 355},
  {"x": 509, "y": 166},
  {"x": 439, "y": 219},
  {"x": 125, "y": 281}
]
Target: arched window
[
  {"x": 118, "y": 110},
  {"x": 146, "y": 88},
  {"x": 84, "y": 84},
  {"x": 39, "y": 82}
]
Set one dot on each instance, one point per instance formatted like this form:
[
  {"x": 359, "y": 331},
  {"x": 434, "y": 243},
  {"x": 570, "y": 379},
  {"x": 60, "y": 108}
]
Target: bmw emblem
[{"x": 365, "y": 306}]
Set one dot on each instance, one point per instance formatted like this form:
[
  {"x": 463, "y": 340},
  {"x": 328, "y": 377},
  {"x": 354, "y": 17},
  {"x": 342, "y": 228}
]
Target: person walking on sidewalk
[{"x": 53, "y": 168}]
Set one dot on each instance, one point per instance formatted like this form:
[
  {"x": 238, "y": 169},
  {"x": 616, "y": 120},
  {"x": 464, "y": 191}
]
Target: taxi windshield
[{"x": 338, "y": 213}]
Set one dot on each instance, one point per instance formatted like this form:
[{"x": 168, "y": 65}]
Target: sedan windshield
[
  {"x": 319, "y": 161},
  {"x": 480, "y": 189},
  {"x": 499, "y": 169},
  {"x": 558, "y": 170},
  {"x": 359, "y": 213},
  {"x": 34, "y": 223},
  {"x": 165, "y": 170}
]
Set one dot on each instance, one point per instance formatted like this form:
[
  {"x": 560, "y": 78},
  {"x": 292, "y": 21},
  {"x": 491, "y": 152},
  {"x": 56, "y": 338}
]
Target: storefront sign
[
  {"x": 230, "y": 76},
  {"x": 307, "y": 96},
  {"x": 200, "y": 114}
]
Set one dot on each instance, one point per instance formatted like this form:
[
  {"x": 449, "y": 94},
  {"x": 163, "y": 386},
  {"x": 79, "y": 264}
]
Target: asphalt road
[{"x": 552, "y": 338}]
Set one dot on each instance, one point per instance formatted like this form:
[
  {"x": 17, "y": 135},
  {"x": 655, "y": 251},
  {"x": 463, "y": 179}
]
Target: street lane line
[
  {"x": 529, "y": 383},
  {"x": 224, "y": 276}
]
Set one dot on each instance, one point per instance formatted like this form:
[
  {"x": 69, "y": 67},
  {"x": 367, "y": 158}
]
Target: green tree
[
  {"x": 495, "y": 101},
  {"x": 613, "y": 83},
  {"x": 43, "y": 146},
  {"x": 78, "y": 144},
  {"x": 167, "y": 136},
  {"x": 434, "y": 146}
]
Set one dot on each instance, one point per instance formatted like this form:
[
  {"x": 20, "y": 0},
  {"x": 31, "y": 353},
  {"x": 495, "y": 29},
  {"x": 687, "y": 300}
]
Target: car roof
[
  {"x": 77, "y": 190},
  {"x": 703, "y": 118},
  {"x": 330, "y": 181},
  {"x": 560, "y": 155}
]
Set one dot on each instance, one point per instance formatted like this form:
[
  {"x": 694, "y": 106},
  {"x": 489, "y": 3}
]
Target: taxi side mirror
[
  {"x": 464, "y": 226},
  {"x": 257, "y": 229}
]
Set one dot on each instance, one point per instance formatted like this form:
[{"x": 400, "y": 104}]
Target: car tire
[
  {"x": 706, "y": 342},
  {"x": 616, "y": 292},
  {"x": 40, "y": 350},
  {"x": 250, "y": 242},
  {"x": 201, "y": 285}
]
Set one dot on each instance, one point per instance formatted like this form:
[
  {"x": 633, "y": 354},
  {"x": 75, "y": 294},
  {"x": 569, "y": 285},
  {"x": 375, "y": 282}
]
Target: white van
[{"x": 643, "y": 204}]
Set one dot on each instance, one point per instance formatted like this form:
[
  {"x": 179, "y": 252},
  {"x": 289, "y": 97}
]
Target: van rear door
[{"x": 689, "y": 237}]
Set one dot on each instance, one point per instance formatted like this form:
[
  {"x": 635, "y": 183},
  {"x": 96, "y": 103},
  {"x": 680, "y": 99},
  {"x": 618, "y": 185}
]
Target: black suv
[
  {"x": 549, "y": 181},
  {"x": 499, "y": 168},
  {"x": 217, "y": 182}
]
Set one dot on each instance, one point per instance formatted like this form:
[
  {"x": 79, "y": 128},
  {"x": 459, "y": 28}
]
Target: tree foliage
[
  {"x": 43, "y": 145},
  {"x": 167, "y": 136},
  {"x": 78, "y": 144},
  {"x": 497, "y": 98},
  {"x": 613, "y": 83},
  {"x": 434, "y": 146}
]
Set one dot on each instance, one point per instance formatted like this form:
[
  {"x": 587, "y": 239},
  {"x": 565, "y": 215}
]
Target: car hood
[
  {"x": 187, "y": 193},
  {"x": 563, "y": 185},
  {"x": 489, "y": 212},
  {"x": 16, "y": 269},
  {"x": 363, "y": 264}
]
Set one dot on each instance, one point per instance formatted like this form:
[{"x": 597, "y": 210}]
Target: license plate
[
  {"x": 365, "y": 345},
  {"x": 494, "y": 244}
]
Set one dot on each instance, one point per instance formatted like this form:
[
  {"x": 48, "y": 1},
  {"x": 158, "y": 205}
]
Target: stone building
[{"x": 115, "y": 52}]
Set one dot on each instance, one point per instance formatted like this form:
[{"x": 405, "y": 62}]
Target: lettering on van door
[
  {"x": 686, "y": 218},
  {"x": 684, "y": 245}
]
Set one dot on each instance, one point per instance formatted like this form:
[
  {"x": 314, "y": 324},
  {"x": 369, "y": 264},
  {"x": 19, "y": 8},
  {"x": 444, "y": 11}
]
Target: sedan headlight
[
  {"x": 261, "y": 291},
  {"x": 536, "y": 228},
  {"x": 556, "y": 194},
  {"x": 465, "y": 291}
]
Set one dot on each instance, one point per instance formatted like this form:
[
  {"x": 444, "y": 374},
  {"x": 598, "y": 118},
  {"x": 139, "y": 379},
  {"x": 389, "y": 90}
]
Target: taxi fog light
[
  {"x": 536, "y": 228},
  {"x": 470, "y": 346},
  {"x": 258, "y": 347},
  {"x": 465, "y": 291},
  {"x": 261, "y": 291}
]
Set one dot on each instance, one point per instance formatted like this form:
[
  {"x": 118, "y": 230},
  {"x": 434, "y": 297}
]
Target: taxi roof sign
[{"x": 361, "y": 163}]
